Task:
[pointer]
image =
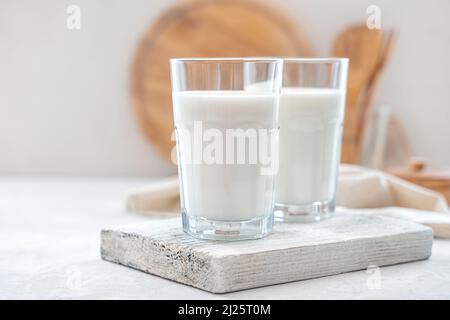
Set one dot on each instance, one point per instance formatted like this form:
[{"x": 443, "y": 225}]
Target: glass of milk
[
  {"x": 226, "y": 127},
  {"x": 311, "y": 118}
]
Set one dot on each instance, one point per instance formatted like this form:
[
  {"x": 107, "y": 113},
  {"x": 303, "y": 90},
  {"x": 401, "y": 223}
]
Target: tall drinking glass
[
  {"x": 226, "y": 123},
  {"x": 311, "y": 120}
]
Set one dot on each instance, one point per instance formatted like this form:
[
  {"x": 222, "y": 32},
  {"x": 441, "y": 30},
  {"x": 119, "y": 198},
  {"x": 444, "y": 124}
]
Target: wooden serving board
[
  {"x": 203, "y": 28},
  {"x": 346, "y": 242}
]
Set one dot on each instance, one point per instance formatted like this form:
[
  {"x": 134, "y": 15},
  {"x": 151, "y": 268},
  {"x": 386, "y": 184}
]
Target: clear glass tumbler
[
  {"x": 312, "y": 107},
  {"x": 226, "y": 123}
]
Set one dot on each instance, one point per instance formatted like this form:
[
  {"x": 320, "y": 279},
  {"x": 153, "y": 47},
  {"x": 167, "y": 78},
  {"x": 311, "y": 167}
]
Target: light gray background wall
[{"x": 64, "y": 106}]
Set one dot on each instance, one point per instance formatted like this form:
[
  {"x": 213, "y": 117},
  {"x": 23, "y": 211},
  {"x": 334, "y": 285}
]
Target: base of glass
[
  {"x": 203, "y": 228},
  {"x": 311, "y": 212}
]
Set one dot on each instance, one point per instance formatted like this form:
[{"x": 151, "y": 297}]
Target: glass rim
[
  {"x": 262, "y": 59},
  {"x": 316, "y": 59},
  {"x": 226, "y": 59}
]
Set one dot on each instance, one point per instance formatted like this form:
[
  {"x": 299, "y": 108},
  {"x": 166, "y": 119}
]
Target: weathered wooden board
[{"x": 346, "y": 242}]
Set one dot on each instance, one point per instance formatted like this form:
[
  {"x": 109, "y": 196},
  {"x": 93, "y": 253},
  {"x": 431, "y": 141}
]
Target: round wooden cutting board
[{"x": 213, "y": 28}]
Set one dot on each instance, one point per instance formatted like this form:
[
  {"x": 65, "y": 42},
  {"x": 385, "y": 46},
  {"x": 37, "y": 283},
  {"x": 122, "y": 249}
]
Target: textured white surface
[{"x": 49, "y": 248}]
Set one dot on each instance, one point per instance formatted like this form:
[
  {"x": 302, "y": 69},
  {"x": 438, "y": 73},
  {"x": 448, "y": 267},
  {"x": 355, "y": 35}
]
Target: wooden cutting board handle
[{"x": 203, "y": 28}]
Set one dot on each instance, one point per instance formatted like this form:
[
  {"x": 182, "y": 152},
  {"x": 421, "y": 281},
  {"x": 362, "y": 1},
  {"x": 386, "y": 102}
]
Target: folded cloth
[
  {"x": 160, "y": 196},
  {"x": 360, "y": 187},
  {"x": 360, "y": 190},
  {"x": 374, "y": 192}
]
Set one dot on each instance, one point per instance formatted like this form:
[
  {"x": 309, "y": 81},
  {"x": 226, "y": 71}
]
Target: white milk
[
  {"x": 227, "y": 192},
  {"x": 310, "y": 134}
]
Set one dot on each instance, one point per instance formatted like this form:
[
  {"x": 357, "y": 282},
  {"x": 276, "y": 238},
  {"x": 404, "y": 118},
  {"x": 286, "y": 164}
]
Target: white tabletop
[{"x": 49, "y": 249}]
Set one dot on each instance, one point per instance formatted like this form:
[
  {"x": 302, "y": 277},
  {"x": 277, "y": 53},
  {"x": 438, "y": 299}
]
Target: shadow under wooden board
[{"x": 215, "y": 28}]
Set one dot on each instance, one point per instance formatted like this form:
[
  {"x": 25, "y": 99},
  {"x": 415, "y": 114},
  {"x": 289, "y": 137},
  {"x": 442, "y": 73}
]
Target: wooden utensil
[
  {"x": 203, "y": 29},
  {"x": 363, "y": 46}
]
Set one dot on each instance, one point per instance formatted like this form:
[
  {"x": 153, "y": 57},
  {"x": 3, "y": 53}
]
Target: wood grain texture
[
  {"x": 203, "y": 28},
  {"x": 345, "y": 243}
]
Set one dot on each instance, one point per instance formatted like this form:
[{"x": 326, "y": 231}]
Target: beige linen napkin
[
  {"x": 360, "y": 190},
  {"x": 374, "y": 192},
  {"x": 160, "y": 196}
]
